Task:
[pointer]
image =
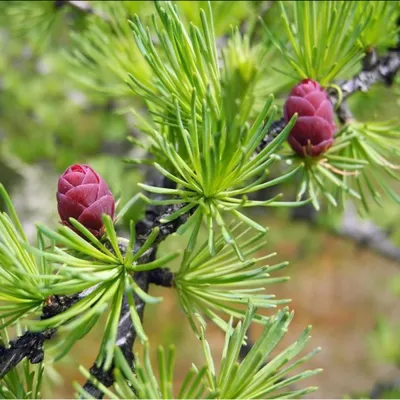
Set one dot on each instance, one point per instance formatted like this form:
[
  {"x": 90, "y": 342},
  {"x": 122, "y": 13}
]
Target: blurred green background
[{"x": 49, "y": 120}]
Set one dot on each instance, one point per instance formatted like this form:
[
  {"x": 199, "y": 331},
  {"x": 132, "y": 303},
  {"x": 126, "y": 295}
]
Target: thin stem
[{"x": 30, "y": 344}]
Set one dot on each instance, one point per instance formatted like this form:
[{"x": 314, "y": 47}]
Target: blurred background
[{"x": 54, "y": 112}]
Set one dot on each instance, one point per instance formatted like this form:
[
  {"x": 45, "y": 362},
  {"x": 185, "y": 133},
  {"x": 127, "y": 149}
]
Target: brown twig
[{"x": 30, "y": 344}]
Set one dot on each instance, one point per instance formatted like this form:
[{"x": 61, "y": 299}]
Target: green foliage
[
  {"x": 235, "y": 380},
  {"x": 225, "y": 13},
  {"x": 34, "y": 20},
  {"x": 215, "y": 177},
  {"x": 322, "y": 178},
  {"x": 104, "y": 54},
  {"x": 221, "y": 284},
  {"x": 361, "y": 165},
  {"x": 100, "y": 274},
  {"x": 142, "y": 384},
  {"x": 384, "y": 341},
  {"x": 381, "y": 29},
  {"x": 377, "y": 144},
  {"x": 105, "y": 67},
  {"x": 20, "y": 272},
  {"x": 184, "y": 62},
  {"x": 322, "y": 38},
  {"x": 208, "y": 90},
  {"x": 11, "y": 386},
  {"x": 206, "y": 145}
]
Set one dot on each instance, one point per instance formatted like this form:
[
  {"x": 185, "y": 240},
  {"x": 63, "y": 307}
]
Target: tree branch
[
  {"x": 375, "y": 69},
  {"x": 162, "y": 277},
  {"x": 366, "y": 234},
  {"x": 30, "y": 344},
  {"x": 126, "y": 331},
  {"x": 363, "y": 233}
]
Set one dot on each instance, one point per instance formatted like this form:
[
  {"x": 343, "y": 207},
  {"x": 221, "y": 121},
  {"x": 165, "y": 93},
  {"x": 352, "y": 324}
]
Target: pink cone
[
  {"x": 84, "y": 195},
  {"x": 313, "y": 131}
]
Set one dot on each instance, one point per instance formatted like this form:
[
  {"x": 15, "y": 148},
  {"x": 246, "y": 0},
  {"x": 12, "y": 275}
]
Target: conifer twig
[
  {"x": 30, "y": 344},
  {"x": 375, "y": 70},
  {"x": 126, "y": 332}
]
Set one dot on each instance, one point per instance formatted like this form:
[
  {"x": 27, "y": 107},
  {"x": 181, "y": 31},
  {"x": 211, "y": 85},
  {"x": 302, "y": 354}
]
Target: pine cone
[
  {"x": 84, "y": 195},
  {"x": 313, "y": 132}
]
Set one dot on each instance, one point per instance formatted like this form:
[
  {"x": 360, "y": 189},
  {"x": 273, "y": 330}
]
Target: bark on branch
[
  {"x": 30, "y": 344},
  {"x": 375, "y": 69},
  {"x": 366, "y": 234}
]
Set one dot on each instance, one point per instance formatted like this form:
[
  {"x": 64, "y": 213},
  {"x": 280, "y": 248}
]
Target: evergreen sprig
[
  {"x": 204, "y": 141},
  {"x": 361, "y": 164},
  {"x": 322, "y": 38},
  {"x": 104, "y": 54},
  {"x": 35, "y": 21},
  {"x": 322, "y": 178},
  {"x": 182, "y": 61},
  {"x": 211, "y": 285},
  {"x": 217, "y": 175},
  {"x": 210, "y": 116},
  {"x": 100, "y": 273},
  {"x": 377, "y": 144},
  {"x": 185, "y": 59},
  {"x": 381, "y": 30},
  {"x": 142, "y": 384},
  {"x": 20, "y": 272},
  {"x": 250, "y": 378},
  {"x": 253, "y": 378}
]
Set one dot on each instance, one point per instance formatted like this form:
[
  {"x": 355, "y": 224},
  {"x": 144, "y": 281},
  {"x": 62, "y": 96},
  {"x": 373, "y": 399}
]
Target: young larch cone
[
  {"x": 84, "y": 195},
  {"x": 313, "y": 131}
]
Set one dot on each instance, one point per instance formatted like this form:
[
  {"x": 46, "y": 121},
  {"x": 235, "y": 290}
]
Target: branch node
[{"x": 161, "y": 277}]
